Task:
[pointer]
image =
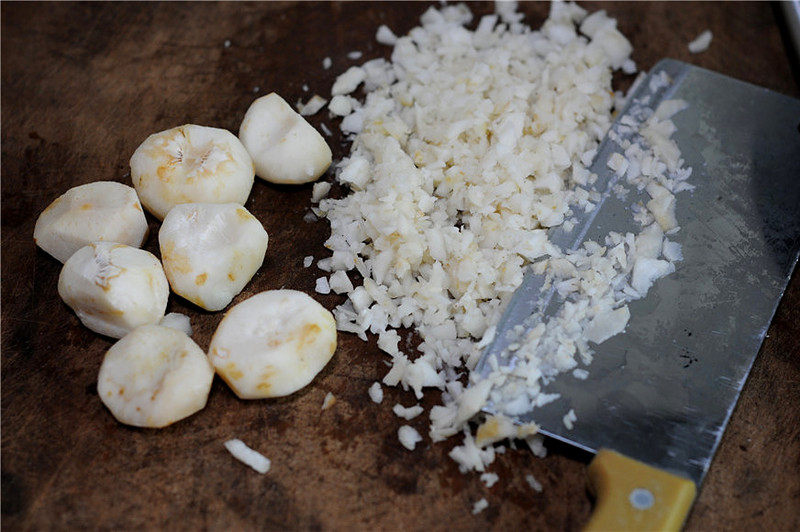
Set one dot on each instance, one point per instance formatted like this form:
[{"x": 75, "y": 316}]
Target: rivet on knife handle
[{"x": 634, "y": 496}]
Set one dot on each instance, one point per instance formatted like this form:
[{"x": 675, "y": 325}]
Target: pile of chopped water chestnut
[{"x": 473, "y": 141}]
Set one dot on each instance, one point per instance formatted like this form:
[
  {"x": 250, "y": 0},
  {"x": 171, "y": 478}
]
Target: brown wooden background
[{"x": 84, "y": 84}]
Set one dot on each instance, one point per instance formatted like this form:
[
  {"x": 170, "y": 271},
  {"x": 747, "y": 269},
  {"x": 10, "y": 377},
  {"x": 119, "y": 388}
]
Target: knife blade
[{"x": 663, "y": 392}]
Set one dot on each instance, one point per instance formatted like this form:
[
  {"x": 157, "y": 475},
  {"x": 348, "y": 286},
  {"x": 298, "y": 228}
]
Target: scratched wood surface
[{"x": 84, "y": 84}]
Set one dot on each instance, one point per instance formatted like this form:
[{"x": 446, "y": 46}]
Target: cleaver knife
[{"x": 658, "y": 397}]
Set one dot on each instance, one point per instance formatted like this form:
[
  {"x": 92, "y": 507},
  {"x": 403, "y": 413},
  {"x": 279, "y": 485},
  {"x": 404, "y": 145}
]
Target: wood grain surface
[{"x": 84, "y": 84}]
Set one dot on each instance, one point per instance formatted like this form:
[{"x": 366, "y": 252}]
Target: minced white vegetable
[
  {"x": 385, "y": 36},
  {"x": 672, "y": 251},
  {"x": 245, "y": 454},
  {"x": 606, "y": 324},
  {"x": 490, "y": 479},
  {"x": 569, "y": 419},
  {"x": 618, "y": 163},
  {"x": 468, "y": 146},
  {"x": 327, "y": 63},
  {"x": 307, "y": 261},
  {"x": 341, "y": 105},
  {"x": 376, "y": 392},
  {"x": 646, "y": 271},
  {"x": 387, "y": 340},
  {"x": 319, "y": 191},
  {"x": 479, "y": 506},
  {"x": 329, "y": 401},
  {"x": 533, "y": 483},
  {"x": 580, "y": 374},
  {"x": 354, "y": 55},
  {"x": 340, "y": 283},
  {"x": 498, "y": 427},
  {"x": 322, "y": 286},
  {"x": 471, "y": 457},
  {"x": 701, "y": 42},
  {"x": 347, "y": 82},
  {"x": 407, "y": 412},
  {"x": 409, "y": 437},
  {"x": 313, "y": 105},
  {"x": 629, "y": 67},
  {"x": 535, "y": 443}
]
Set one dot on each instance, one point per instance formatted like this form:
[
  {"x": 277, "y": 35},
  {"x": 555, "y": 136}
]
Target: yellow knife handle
[{"x": 635, "y": 496}]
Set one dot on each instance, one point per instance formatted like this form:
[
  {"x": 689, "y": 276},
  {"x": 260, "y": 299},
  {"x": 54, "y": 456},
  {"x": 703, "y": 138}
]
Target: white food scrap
[
  {"x": 407, "y": 413},
  {"x": 569, "y": 419},
  {"x": 580, "y": 374},
  {"x": 409, "y": 437},
  {"x": 341, "y": 105},
  {"x": 701, "y": 42},
  {"x": 533, "y": 483},
  {"x": 489, "y": 479},
  {"x": 385, "y": 36},
  {"x": 469, "y": 456},
  {"x": 322, "y": 286},
  {"x": 496, "y": 428},
  {"x": 376, "y": 392},
  {"x": 313, "y": 105},
  {"x": 329, "y": 401},
  {"x": 479, "y": 506},
  {"x": 319, "y": 191},
  {"x": 248, "y": 456},
  {"x": 606, "y": 324},
  {"x": 536, "y": 444},
  {"x": 347, "y": 82},
  {"x": 340, "y": 283}
]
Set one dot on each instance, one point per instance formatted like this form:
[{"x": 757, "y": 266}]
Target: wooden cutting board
[{"x": 84, "y": 84}]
